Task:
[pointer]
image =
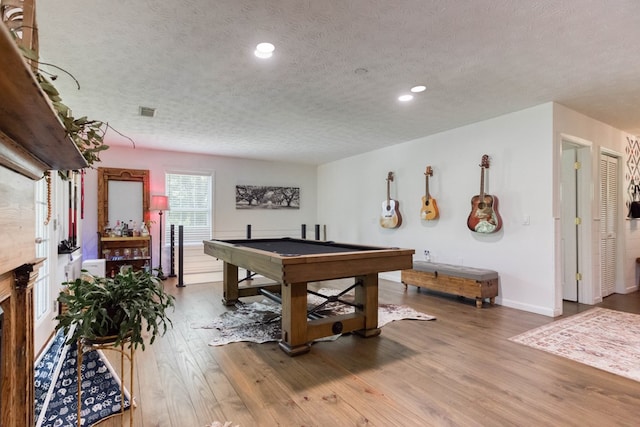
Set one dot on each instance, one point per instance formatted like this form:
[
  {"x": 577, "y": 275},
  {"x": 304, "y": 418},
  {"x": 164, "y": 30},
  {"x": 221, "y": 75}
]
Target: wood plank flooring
[{"x": 459, "y": 370}]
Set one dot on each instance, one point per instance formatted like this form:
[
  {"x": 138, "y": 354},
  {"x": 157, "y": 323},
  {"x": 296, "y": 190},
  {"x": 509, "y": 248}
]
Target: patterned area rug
[
  {"x": 259, "y": 322},
  {"x": 56, "y": 402},
  {"x": 602, "y": 338}
]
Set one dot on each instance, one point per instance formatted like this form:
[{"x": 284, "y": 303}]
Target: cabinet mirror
[{"x": 123, "y": 194}]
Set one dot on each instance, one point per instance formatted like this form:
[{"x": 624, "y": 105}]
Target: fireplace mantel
[
  {"x": 17, "y": 345},
  {"x": 33, "y": 138}
]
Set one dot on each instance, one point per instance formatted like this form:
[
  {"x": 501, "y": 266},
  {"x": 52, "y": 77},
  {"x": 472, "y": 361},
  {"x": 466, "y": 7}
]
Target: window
[{"x": 190, "y": 201}]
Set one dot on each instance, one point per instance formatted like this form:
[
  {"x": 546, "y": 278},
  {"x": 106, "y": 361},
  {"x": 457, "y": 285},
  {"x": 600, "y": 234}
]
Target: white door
[
  {"x": 608, "y": 223},
  {"x": 569, "y": 197},
  {"x": 44, "y": 300},
  {"x": 576, "y": 244}
]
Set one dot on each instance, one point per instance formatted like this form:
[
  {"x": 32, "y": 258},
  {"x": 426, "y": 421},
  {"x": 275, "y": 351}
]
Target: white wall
[
  {"x": 524, "y": 149},
  {"x": 227, "y": 173},
  {"x": 520, "y": 146},
  {"x": 347, "y": 197}
]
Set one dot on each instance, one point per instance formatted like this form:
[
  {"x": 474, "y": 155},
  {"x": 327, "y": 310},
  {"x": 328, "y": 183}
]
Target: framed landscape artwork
[{"x": 267, "y": 197}]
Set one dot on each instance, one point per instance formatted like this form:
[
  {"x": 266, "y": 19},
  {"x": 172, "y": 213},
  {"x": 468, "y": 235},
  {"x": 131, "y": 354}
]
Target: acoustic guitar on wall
[
  {"x": 429, "y": 210},
  {"x": 390, "y": 216},
  {"x": 484, "y": 216}
]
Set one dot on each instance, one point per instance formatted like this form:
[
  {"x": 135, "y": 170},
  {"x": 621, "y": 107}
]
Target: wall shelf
[
  {"x": 119, "y": 251},
  {"x": 33, "y": 138}
]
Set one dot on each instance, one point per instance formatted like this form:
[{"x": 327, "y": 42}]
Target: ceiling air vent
[{"x": 147, "y": 111}]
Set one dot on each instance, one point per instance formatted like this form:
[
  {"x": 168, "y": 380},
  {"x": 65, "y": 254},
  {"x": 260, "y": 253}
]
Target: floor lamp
[{"x": 160, "y": 204}]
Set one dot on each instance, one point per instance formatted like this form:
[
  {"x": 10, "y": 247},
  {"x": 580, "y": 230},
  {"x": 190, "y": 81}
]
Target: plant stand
[{"x": 108, "y": 343}]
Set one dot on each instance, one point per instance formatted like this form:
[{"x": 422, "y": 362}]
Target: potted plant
[{"x": 105, "y": 309}]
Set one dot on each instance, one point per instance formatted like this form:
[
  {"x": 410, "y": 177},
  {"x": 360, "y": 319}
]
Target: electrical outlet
[{"x": 427, "y": 255}]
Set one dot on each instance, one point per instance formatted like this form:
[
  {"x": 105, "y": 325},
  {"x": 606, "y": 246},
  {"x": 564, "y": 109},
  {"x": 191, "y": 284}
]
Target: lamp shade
[{"x": 159, "y": 203}]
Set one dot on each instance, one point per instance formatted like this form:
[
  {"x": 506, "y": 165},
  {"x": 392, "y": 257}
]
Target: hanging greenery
[{"x": 88, "y": 135}]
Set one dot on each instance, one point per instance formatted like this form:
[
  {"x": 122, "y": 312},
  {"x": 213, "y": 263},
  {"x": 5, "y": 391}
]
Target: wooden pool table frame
[{"x": 293, "y": 273}]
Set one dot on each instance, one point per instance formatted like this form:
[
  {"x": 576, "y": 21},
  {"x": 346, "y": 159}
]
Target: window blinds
[{"x": 190, "y": 201}]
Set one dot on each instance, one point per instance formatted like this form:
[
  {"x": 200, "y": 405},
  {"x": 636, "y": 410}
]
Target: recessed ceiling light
[
  {"x": 418, "y": 89},
  {"x": 405, "y": 98},
  {"x": 264, "y": 50}
]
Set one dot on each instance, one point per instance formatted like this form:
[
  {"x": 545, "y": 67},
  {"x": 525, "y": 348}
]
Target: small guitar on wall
[
  {"x": 429, "y": 210},
  {"x": 390, "y": 217},
  {"x": 484, "y": 216}
]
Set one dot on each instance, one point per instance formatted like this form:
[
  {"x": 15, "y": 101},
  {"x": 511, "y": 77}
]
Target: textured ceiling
[{"x": 193, "y": 61}]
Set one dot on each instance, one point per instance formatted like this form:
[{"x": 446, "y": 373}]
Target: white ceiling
[{"x": 193, "y": 61}]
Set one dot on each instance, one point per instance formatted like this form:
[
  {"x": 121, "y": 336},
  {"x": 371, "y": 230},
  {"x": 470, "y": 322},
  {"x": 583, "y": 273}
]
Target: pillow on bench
[{"x": 479, "y": 274}]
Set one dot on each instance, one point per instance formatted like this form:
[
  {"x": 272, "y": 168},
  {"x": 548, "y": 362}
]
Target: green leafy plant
[
  {"x": 118, "y": 308},
  {"x": 88, "y": 135}
]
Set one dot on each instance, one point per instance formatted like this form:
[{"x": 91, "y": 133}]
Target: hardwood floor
[{"x": 459, "y": 370}]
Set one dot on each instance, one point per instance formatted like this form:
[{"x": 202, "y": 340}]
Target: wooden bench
[{"x": 458, "y": 280}]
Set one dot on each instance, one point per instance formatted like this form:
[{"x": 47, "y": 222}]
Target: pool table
[{"x": 292, "y": 264}]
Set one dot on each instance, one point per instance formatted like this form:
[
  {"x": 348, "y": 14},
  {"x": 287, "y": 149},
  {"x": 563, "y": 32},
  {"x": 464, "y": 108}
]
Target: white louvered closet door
[{"x": 608, "y": 223}]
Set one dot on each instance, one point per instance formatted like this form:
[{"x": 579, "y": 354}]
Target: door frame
[
  {"x": 45, "y": 325},
  {"x": 585, "y": 209}
]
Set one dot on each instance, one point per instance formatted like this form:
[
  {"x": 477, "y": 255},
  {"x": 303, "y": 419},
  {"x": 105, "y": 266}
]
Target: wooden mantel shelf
[{"x": 32, "y": 137}]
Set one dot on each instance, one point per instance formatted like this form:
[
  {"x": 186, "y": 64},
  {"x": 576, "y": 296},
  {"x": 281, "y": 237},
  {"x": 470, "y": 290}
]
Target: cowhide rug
[{"x": 259, "y": 322}]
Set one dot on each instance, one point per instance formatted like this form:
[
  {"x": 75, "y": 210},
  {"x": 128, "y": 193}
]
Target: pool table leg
[
  {"x": 230, "y": 293},
  {"x": 367, "y": 298},
  {"x": 294, "y": 319}
]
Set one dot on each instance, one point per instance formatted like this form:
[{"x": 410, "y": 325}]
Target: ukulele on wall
[
  {"x": 390, "y": 216},
  {"x": 484, "y": 216},
  {"x": 429, "y": 210}
]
